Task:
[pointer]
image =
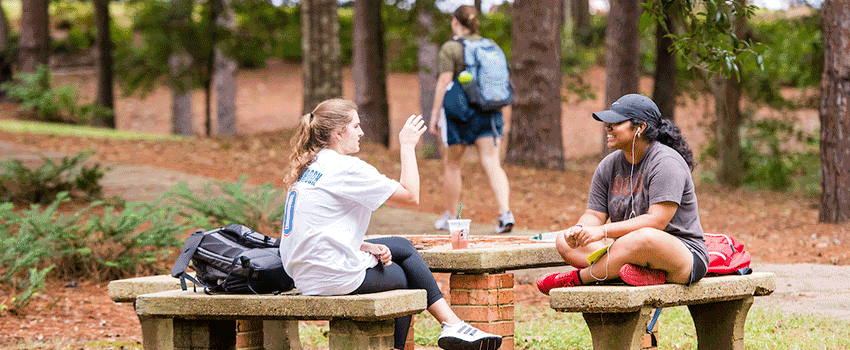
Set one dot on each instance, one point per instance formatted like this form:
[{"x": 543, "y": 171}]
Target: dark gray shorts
[{"x": 698, "y": 270}]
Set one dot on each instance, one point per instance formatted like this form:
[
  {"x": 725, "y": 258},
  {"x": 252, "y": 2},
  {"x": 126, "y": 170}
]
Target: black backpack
[{"x": 233, "y": 259}]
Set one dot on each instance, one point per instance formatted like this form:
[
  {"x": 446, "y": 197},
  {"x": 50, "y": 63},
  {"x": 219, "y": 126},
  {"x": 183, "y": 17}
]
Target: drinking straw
[{"x": 459, "y": 208}]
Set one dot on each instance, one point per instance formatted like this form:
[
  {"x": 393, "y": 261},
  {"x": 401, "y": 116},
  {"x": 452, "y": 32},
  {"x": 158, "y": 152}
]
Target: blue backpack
[{"x": 490, "y": 87}]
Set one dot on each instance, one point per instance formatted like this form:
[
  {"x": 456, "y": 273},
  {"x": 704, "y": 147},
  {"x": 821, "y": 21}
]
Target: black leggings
[{"x": 408, "y": 271}]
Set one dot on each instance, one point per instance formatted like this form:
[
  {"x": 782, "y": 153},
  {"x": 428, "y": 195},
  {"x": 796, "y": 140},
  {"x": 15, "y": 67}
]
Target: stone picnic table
[{"x": 480, "y": 285}]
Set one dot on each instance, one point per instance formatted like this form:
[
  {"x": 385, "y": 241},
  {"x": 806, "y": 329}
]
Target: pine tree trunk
[
  {"x": 370, "y": 74},
  {"x": 835, "y": 113},
  {"x": 320, "y": 66},
  {"x": 6, "y": 54},
  {"x": 622, "y": 42},
  {"x": 179, "y": 64},
  {"x": 34, "y": 41},
  {"x": 580, "y": 13},
  {"x": 224, "y": 77},
  {"x": 535, "y": 135},
  {"x": 727, "y": 100},
  {"x": 105, "y": 91},
  {"x": 664, "y": 88},
  {"x": 427, "y": 62}
]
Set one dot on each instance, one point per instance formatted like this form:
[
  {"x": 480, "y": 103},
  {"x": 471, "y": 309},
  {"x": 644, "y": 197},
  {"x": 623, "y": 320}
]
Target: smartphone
[{"x": 593, "y": 257}]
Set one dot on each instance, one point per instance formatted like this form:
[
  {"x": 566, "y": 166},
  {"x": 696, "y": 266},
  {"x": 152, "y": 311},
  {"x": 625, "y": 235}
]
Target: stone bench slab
[
  {"x": 615, "y": 299},
  {"x": 198, "y": 305},
  {"x": 126, "y": 290}
]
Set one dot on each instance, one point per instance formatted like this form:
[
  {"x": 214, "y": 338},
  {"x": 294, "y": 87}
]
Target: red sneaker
[
  {"x": 558, "y": 280},
  {"x": 641, "y": 276}
]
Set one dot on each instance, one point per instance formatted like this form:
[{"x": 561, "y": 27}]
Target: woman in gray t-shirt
[{"x": 646, "y": 190}]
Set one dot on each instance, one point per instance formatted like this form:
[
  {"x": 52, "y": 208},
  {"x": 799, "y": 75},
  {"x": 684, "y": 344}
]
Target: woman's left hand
[
  {"x": 412, "y": 130},
  {"x": 381, "y": 252},
  {"x": 583, "y": 236}
]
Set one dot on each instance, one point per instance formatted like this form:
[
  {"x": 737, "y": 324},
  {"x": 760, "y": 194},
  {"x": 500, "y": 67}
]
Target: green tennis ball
[{"x": 464, "y": 77}]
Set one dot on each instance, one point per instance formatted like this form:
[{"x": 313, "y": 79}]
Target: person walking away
[{"x": 483, "y": 129}]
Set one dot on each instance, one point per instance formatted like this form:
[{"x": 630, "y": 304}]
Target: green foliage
[
  {"x": 96, "y": 242},
  {"x": 793, "y": 57},
  {"x": 776, "y": 156},
  {"x": 36, "y": 96},
  {"x": 264, "y": 31},
  {"x": 260, "y": 208},
  {"x": 708, "y": 41},
  {"x": 51, "y": 104},
  {"x": 43, "y": 184}
]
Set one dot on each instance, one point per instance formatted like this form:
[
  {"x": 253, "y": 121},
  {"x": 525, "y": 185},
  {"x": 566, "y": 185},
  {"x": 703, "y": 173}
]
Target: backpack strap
[
  {"x": 182, "y": 262},
  {"x": 651, "y": 325}
]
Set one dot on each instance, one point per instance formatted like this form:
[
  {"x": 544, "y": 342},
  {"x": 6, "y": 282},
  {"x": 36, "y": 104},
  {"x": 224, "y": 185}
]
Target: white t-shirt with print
[{"x": 327, "y": 213}]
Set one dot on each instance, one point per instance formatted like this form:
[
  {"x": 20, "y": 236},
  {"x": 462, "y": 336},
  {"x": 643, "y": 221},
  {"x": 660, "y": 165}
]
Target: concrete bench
[
  {"x": 175, "y": 319},
  {"x": 251, "y": 334},
  {"x": 202, "y": 321},
  {"x": 617, "y": 315}
]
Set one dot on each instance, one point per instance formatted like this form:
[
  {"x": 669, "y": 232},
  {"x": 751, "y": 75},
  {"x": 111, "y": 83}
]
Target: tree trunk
[
  {"x": 427, "y": 62},
  {"x": 535, "y": 135},
  {"x": 6, "y": 54},
  {"x": 179, "y": 64},
  {"x": 580, "y": 13},
  {"x": 105, "y": 91},
  {"x": 320, "y": 66},
  {"x": 664, "y": 87},
  {"x": 215, "y": 9},
  {"x": 835, "y": 113},
  {"x": 477, "y": 4},
  {"x": 224, "y": 77},
  {"x": 622, "y": 62},
  {"x": 727, "y": 97},
  {"x": 370, "y": 74},
  {"x": 727, "y": 100},
  {"x": 34, "y": 41}
]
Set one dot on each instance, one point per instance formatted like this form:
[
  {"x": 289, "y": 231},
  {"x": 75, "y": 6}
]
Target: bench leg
[
  {"x": 618, "y": 330},
  {"x": 281, "y": 335},
  {"x": 720, "y": 325},
  {"x": 356, "y": 335},
  {"x": 157, "y": 333},
  {"x": 203, "y": 334}
]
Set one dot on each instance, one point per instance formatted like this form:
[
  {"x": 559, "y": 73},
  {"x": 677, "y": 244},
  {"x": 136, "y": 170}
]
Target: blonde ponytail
[{"x": 314, "y": 133}]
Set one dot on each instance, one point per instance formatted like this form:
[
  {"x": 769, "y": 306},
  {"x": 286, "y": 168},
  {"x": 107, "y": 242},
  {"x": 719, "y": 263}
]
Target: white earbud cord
[{"x": 630, "y": 215}]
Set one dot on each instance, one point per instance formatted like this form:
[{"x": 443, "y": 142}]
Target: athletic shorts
[
  {"x": 485, "y": 124},
  {"x": 698, "y": 270}
]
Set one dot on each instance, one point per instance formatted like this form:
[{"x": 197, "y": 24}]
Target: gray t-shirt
[{"x": 661, "y": 176}]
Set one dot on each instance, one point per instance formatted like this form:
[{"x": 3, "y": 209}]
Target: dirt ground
[{"x": 778, "y": 228}]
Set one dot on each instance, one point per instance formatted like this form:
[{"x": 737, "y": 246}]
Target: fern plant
[
  {"x": 19, "y": 183},
  {"x": 260, "y": 208}
]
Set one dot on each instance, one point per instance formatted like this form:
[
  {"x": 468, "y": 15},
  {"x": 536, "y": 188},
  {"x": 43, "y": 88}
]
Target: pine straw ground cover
[{"x": 776, "y": 227}]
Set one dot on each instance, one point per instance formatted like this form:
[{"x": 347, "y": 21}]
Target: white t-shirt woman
[{"x": 331, "y": 205}]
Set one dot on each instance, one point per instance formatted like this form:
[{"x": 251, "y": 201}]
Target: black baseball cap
[{"x": 631, "y": 106}]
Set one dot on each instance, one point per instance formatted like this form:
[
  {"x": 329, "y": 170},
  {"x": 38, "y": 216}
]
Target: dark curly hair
[{"x": 669, "y": 134}]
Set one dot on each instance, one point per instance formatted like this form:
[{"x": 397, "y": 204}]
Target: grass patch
[
  {"x": 32, "y": 127},
  {"x": 541, "y": 328}
]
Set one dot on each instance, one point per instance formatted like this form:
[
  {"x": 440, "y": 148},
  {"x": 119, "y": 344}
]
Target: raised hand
[{"x": 412, "y": 130}]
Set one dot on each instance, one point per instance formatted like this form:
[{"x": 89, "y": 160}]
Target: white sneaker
[
  {"x": 443, "y": 222},
  {"x": 506, "y": 222},
  {"x": 462, "y": 336}
]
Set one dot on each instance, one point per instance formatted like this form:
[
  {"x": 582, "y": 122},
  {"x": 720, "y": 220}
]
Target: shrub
[
  {"x": 97, "y": 243},
  {"x": 19, "y": 183},
  {"x": 231, "y": 203}
]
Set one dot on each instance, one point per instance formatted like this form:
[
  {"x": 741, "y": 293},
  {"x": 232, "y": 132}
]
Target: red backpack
[{"x": 726, "y": 256}]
